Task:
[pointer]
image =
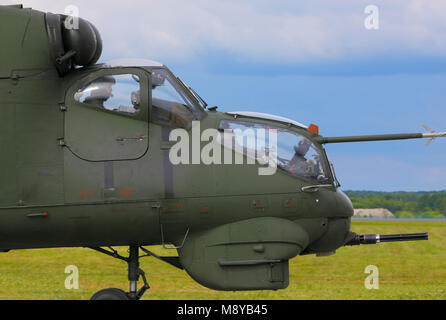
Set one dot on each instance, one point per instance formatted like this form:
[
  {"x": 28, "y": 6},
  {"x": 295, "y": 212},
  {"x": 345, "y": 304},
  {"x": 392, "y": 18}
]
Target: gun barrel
[
  {"x": 376, "y": 238},
  {"x": 404, "y": 237}
]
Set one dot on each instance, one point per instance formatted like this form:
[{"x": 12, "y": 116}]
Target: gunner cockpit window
[
  {"x": 119, "y": 93},
  {"x": 296, "y": 154}
]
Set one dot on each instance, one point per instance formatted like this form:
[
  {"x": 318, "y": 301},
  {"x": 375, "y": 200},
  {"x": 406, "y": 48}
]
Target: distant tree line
[{"x": 402, "y": 203}]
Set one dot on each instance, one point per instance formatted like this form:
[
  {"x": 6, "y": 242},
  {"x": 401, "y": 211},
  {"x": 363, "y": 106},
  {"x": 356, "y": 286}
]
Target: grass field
[{"x": 410, "y": 270}]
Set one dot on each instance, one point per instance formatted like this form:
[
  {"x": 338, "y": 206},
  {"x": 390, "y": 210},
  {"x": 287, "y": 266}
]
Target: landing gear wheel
[
  {"x": 134, "y": 273},
  {"x": 110, "y": 294}
]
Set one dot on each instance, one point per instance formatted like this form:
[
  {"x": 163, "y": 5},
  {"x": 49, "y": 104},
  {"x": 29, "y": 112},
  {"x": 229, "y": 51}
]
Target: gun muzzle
[{"x": 376, "y": 238}]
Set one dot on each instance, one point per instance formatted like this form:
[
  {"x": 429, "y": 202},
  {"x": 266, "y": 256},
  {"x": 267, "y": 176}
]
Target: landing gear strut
[{"x": 134, "y": 272}]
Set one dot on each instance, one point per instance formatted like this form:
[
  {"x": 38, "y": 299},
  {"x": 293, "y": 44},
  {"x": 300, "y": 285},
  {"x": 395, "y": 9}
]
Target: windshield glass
[
  {"x": 296, "y": 154},
  {"x": 200, "y": 100},
  {"x": 170, "y": 103}
]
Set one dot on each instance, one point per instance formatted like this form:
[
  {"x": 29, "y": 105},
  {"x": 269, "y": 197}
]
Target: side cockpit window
[
  {"x": 119, "y": 93},
  {"x": 170, "y": 104}
]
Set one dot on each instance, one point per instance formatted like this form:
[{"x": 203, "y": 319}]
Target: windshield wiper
[
  {"x": 337, "y": 184},
  {"x": 195, "y": 94}
]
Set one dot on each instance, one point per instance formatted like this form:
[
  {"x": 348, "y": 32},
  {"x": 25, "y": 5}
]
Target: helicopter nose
[{"x": 344, "y": 204}]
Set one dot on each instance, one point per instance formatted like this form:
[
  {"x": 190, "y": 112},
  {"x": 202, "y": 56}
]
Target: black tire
[{"x": 110, "y": 294}]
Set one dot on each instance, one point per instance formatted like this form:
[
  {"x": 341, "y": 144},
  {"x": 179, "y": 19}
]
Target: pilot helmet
[
  {"x": 302, "y": 148},
  {"x": 103, "y": 87}
]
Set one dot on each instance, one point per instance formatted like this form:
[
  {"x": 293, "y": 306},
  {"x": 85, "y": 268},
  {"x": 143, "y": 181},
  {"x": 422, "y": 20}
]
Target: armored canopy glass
[
  {"x": 171, "y": 104},
  {"x": 296, "y": 154}
]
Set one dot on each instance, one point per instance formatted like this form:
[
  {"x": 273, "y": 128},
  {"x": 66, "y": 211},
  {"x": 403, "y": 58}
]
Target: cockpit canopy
[
  {"x": 172, "y": 102},
  {"x": 295, "y": 153}
]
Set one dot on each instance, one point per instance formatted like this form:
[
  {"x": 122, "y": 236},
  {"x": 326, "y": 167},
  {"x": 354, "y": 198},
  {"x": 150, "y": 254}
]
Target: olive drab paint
[{"x": 80, "y": 174}]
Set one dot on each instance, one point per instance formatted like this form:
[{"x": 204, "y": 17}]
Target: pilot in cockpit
[
  {"x": 299, "y": 163},
  {"x": 102, "y": 90}
]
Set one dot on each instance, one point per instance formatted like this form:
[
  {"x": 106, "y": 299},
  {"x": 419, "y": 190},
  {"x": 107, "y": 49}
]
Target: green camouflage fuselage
[{"x": 67, "y": 182}]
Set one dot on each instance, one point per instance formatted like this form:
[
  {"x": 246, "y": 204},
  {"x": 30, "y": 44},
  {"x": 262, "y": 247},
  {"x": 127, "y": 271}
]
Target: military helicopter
[{"x": 86, "y": 162}]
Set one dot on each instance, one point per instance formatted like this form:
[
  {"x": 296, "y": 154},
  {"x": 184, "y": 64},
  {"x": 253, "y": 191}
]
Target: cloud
[
  {"x": 277, "y": 32},
  {"x": 274, "y": 57}
]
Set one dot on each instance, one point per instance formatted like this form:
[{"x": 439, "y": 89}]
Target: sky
[{"x": 311, "y": 61}]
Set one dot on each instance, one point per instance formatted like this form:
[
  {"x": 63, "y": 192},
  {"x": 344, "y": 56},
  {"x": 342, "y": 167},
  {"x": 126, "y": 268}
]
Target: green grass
[{"x": 410, "y": 270}]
